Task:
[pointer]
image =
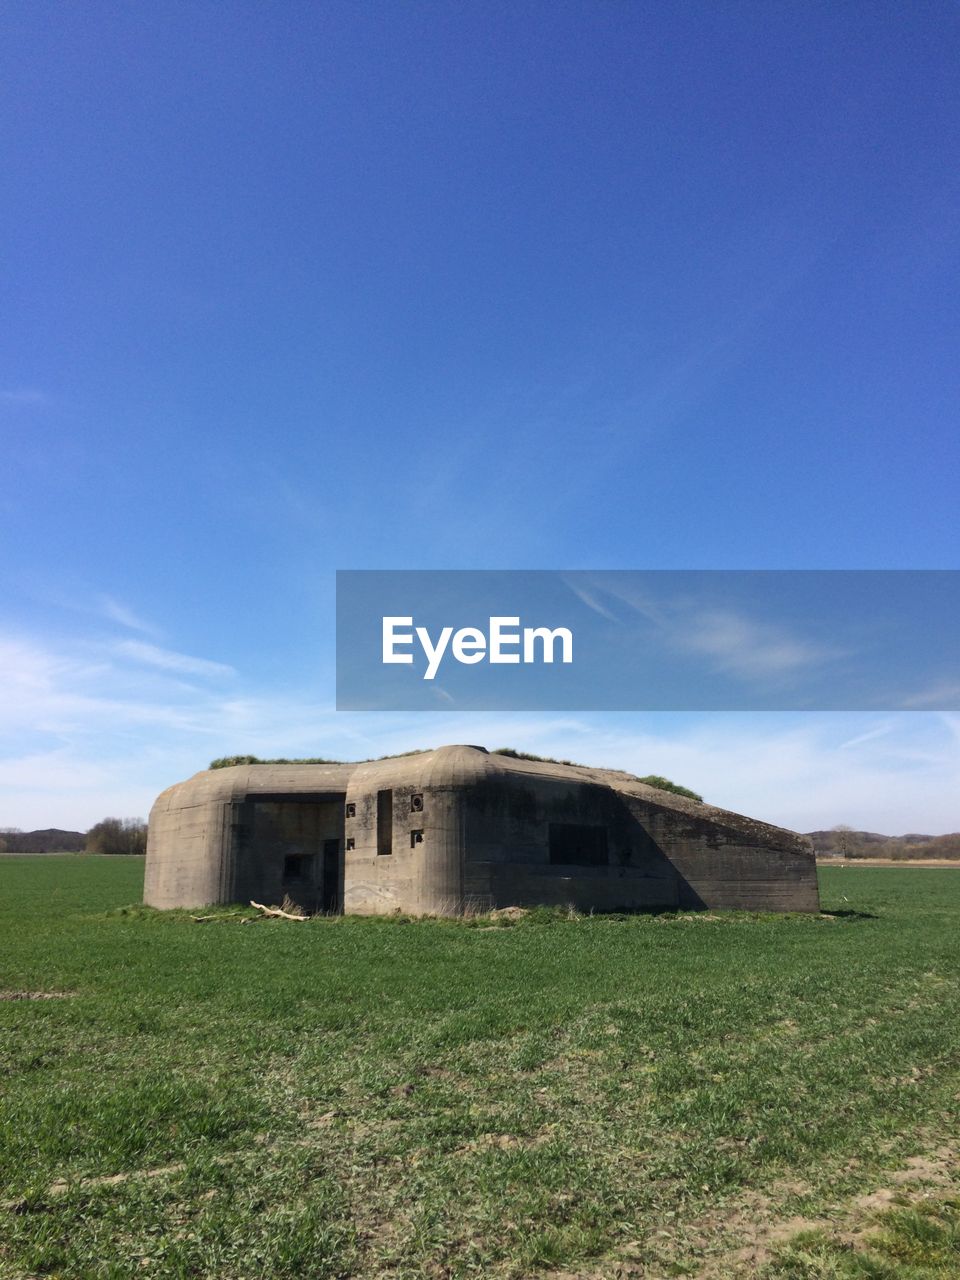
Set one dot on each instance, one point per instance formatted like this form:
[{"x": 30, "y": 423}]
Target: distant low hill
[
  {"x": 844, "y": 842},
  {"x": 53, "y": 840}
]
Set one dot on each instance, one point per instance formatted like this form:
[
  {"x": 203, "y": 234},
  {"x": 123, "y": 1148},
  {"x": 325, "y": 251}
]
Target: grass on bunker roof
[{"x": 354, "y": 1097}]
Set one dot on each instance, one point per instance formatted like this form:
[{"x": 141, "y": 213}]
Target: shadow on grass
[{"x": 851, "y": 915}]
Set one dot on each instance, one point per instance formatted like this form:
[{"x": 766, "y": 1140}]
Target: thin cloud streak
[
  {"x": 168, "y": 660},
  {"x": 24, "y": 396},
  {"x": 590, "y": 600},
  {"x": 736, "y": 644},
  {"x": 934, "y": 697},
  {"x": 869, "y": 736},
  {"x": 116, "y": 611},
  {"x": 750, "y": 649}
]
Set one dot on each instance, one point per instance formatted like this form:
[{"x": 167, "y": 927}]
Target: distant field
[
  {"x": 888, "y": 862},
  {"x": 649, "y": 1096}
]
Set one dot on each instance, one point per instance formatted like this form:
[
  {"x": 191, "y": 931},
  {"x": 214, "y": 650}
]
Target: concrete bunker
[{"x": 459, "y": 829}]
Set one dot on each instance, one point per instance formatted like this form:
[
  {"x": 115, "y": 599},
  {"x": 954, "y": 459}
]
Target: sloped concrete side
[{"x": 658, "y": 855}]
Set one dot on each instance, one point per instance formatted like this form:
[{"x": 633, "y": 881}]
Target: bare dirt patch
[
  {"x": 753, "y": 1230},
  {"x": 506, "y": 1142},
  {"x": 36, "y": 995},
  {"x": 61, "y": 1187}
]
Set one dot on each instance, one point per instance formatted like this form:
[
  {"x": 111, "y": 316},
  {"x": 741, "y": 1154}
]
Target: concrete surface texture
[{"x": 458, "y": 829}]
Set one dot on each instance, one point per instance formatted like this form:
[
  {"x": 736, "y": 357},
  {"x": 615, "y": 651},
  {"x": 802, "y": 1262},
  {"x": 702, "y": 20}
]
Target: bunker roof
[{"x": 450, "y": 767}]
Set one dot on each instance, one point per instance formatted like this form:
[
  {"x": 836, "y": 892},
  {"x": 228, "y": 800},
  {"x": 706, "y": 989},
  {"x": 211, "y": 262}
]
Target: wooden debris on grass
[{"x": 277, "y": 912}]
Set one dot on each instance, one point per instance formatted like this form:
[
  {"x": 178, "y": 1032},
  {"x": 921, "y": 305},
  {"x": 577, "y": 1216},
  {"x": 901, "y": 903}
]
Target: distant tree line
[
  {"x": 902, "y": 849},
  {"x": 844, "y": 842},
  {"x": 112, "y": 835},
  {"x": 118, "y": 835}
]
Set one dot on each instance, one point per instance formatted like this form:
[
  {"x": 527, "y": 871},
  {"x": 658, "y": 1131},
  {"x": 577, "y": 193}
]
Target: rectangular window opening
[
  {"x": 573, "y": 845},
  {"x": 384, "y": 822},
  {"x": 293, "y": 866}
]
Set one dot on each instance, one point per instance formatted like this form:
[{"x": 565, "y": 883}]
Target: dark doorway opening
[
  {"x": 384, "y": 823},
  {"x": 330, "y": 897}
]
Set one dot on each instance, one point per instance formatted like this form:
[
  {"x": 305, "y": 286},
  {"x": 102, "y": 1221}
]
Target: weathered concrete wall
[
  {"x": 456, "y": 829},
  {"x": 508, "y": 848},
  {"x": 424, "y": 871}
]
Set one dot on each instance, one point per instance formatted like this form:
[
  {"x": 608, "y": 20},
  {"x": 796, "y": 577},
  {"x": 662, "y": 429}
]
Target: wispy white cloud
[
  {"x": 734, "y": 643},
  {"x": 952, "y": 725},
  {"x": 25, "y": 396},
  {"x": 591, "y": 599},
  {"x": 116, "y": 611},
  {"x": 82, "y": 689},
  {"x": 944, "y": 694},
  {"x": 869, "y": 735},
  {"x": 168, "y": 660},
  {"x": 749, "y": 649}
]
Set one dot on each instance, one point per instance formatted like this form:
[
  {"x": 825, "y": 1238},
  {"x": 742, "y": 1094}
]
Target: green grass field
[{"x": 642, "y": 1096}]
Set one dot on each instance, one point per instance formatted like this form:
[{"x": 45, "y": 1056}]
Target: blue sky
[{"x": 295, "y": 288}]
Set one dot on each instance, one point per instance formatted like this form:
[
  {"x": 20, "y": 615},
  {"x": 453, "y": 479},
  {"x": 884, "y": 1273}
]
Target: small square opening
[
  {"x": 293, "y": 866},
  {"x": 416, "y": 837}
]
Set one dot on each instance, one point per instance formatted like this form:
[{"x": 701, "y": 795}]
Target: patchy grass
[
  {"x": 392, "y": 1097},
  {"x": 912, "y": 1241}
]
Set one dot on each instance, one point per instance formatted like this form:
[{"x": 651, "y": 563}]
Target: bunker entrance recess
[{"x": 290, "y": 846}]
